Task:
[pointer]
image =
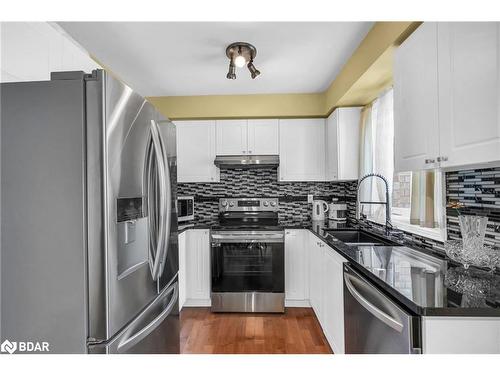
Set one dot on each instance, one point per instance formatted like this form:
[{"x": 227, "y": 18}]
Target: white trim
[
  {"x": 297, "y": 303},
  {"x": 198, "y": 302},
  {"x": 437, "y": 234}
]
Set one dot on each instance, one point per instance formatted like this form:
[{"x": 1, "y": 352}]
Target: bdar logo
[{"x": 8, "y": 346}]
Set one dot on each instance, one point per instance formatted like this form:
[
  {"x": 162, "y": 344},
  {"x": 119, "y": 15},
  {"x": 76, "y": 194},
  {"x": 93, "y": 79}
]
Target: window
[
  {"x": 416, "y": 198},
  {"x": 401, "y": 196},
  {"x": 418, "y": 203}
]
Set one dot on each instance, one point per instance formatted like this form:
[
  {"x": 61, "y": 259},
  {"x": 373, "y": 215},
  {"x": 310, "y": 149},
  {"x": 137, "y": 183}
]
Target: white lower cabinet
[
  {"x": 460, "y": 335},
  {"x": 326, "y": 291},
  {"x": 194, "y": 268},
  {"x": 296, "y": 268},
  {"x": 333, "y": 297},
  {"x": 316, "y": 279}
]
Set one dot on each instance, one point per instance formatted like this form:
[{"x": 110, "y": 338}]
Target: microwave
[{"x": 185, "y": 208}]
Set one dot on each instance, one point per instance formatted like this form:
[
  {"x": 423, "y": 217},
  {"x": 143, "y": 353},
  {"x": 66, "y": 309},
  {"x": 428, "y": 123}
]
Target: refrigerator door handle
[
  {"x": 167, "y": 207},
  {"x": 148, "y": 182},
  {"x": 160, "y": 162},
  {"x": 131, "y": 341},
  {"x": 379, "y": 314}
]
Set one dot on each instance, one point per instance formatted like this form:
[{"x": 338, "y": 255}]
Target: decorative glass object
[
  {"x": 455, "y": 251},
  {"x": 473, "y": 229},
  {"x": 476, "y": 286},
  {"x": 484, "y": 256}
]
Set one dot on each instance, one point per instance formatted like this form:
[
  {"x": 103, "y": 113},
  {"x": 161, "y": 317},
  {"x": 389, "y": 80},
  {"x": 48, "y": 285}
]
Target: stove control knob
[
  {"x": 223, "y": 203},
  {"x": 266, "y": 203},
  {"x": 273, "y": 204},
  {"x": 231, "y": 204}
]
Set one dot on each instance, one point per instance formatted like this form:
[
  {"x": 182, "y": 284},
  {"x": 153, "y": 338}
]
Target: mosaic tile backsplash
[
  {"x": 478, "y": 189},
  {"x": 293, "y": 206}
]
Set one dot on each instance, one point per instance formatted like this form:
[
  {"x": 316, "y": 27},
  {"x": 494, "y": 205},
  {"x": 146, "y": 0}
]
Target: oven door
[{"x": 248, "y": 262}]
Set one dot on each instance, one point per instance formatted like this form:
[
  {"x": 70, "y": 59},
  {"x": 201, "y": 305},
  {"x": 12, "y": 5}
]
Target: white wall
[{"x": 31, "y": 50}]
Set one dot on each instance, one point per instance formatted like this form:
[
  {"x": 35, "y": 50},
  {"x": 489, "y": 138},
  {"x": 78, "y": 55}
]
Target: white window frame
[
  {"x": 437, "y": 234},
  {"x": 401, "y": 219}
]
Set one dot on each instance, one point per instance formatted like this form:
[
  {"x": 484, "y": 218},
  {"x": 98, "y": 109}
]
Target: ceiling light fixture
[{"x": 241, "y": 54}]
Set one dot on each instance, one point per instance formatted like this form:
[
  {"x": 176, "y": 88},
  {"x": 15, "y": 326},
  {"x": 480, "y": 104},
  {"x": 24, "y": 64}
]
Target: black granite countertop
[{"x": 425, "y": 282}]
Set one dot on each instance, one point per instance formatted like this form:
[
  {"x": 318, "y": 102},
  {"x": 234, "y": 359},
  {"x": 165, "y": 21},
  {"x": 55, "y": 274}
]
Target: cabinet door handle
[
  {"x": 442, "y": 158},
  {"x": 244, "y": 152},
  {"x": 430, "y": 161},
  {"x": 249, "y": 151}
]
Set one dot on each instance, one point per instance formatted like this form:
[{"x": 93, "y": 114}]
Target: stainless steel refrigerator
[{"x": 89, "y": 256}]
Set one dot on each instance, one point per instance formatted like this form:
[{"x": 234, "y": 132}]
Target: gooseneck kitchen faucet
[{"x": 388, "y": 224}]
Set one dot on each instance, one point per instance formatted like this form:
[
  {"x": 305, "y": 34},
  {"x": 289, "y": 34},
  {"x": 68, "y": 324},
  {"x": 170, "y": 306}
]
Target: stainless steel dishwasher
[{"x": 373, "y": 323}]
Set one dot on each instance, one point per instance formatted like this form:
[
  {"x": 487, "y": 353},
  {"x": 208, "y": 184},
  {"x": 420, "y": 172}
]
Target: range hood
[{"x": 247, "y": 161}]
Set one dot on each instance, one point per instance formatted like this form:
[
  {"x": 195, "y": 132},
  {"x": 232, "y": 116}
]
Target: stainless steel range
[{"x": 247, "y": 257}]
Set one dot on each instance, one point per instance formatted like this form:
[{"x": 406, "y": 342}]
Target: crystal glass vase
[{"x": 473, "y": 229}]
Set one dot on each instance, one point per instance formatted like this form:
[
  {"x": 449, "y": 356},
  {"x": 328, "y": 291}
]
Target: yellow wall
[
  {"x": 367, "y": 72},
  {"x": 240, "y": 106}
]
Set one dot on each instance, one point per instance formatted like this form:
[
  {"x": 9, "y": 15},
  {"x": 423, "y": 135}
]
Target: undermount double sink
[{"x": 356, "y": 237}]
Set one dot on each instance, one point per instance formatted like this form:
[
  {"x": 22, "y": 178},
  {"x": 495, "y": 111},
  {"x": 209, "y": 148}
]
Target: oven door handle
[{"x": 220, "y": 240}]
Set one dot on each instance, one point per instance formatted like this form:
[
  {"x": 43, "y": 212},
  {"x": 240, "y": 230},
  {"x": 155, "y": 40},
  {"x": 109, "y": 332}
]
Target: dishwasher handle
[{"x": 379, "y": 314}]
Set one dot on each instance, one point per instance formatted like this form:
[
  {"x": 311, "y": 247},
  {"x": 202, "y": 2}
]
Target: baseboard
[
  {"x": 198, "y": 302},
  {"x": 297, "y": 303},
  {"x": 202, "y": 302}
]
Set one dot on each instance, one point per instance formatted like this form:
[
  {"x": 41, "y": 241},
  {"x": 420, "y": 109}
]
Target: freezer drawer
[
  {"x": 373, "y": 323},
  {"x": 154, "y": 331}
]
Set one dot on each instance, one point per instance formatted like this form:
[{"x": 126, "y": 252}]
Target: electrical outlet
[{"x": 309, "y": 198}]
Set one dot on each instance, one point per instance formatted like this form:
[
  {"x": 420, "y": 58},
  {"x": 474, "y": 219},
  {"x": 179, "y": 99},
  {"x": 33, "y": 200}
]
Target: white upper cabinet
[
  {"x": 32, "y": 50},
  {"x": 232, "y": 137},
  {"x": 342, "y": 144},
  {"x": 263, "y": 137},
  {"x": 447, "y": 96},
  {"x": 247, "y": 137},
  {"x": 416, "y": 101},
  {"x": 196, "y": 151},
  {"x": 302, "y": 150},
  {"x": 469, "y": 92}
]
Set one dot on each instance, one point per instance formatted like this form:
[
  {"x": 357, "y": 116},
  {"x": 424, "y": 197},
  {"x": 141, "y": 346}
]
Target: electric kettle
[{"x": 319, "y": 209}]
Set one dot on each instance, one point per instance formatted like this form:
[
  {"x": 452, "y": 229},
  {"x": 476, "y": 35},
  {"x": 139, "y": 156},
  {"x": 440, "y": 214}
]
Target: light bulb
[{"x": 240, "y": 61}]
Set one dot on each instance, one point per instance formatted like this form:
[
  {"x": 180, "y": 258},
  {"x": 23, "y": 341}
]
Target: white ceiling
[{"x": 188, "y": 58}]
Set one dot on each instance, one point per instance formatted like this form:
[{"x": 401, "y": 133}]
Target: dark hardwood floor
[{"x": 295, "y": 332}]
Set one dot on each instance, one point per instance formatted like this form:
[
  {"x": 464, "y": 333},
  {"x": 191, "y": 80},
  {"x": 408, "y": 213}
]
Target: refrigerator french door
[{"x": 88, "y": 190}]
